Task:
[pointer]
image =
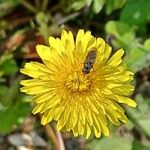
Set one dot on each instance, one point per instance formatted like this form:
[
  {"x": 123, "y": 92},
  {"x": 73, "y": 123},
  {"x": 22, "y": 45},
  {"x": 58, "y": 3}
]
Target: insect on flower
[
  {"x": 89, "y": 61},
  {"x": 77, "y": 98}
]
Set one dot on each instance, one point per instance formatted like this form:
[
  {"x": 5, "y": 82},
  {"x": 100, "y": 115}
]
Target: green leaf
[
  {"x": 89, "y": 2},
  {"x": 140, "y": 116},
  {"x": 2, "y": 108},
  {"x": 136, "y": 59},
  {"x": 111, "y": 143},
  {"x": 6, "y": 6},
  {"x": 9, "y": 67},
  {"x": 77, "y": 5},
  {"x": 126, "y": 41},
  {"x": 113, "y": 5},
  {"x": 136, "y": 12},
  {"x": 147, "y": 101},
  {"x": 139, "y": 146},
  {"x": 117, "y": 28},
  {"x": 43, "y": 21},
  {"x": 11, "y": 116},
  {"x": 4, "y": 97},
  {"x": 147, "y": 45},
  {"x": 98, "y": 5},
  {"x": 13, "y": 105},
  {"x": 12, "y": 93},
  {"x": 123, "y": 35}
]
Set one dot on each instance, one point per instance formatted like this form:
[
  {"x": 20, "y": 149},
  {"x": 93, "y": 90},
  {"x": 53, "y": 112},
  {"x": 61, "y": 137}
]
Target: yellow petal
[
  {"x": 79, "y": 37},
  {"x": 47, "y": 116},
  {"x": 126, "y": 100},
  {"x": 36, "y": 70},
  {"x": 116, "y": 59},
  {"x": 88, "y": 131},
  {"x": 86, "y": 39},
  {"x": 32, "y": 90},
  {"x": 44, "y": 52},
  {"x": 38, "y": 108}
]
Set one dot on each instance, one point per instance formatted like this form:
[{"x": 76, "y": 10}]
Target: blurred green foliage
[
  {"x": 123, "y": 23},
  {"x": 124, "y": 35},
  {"x": 113, "y": 142},
  {"x": 97, "y": 5},
  {"x": 136, "y": 13}
]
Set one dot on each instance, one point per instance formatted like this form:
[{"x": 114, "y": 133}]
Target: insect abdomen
[{"x": 89, "y": 61}]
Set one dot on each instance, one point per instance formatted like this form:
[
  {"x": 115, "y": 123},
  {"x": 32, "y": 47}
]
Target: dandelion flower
[{"x": 79, "y": 100}]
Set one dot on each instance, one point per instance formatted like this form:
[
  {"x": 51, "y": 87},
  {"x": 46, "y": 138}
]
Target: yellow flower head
[{"x": 79, "y": 85}]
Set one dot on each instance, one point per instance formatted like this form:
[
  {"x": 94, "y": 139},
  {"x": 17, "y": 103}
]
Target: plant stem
[
  {"x": 37, "y": 3},
  {"x": 68, "y": 18},
  {"x": 60, "y": 141},
  {"x": 28, "y": 6},
  {"x": 45, "y": 4},
  {"x": 52, "y": 136}
]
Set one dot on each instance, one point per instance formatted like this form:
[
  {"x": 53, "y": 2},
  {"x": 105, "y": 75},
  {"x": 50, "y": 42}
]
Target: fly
[{"x": 89, "y": 61}]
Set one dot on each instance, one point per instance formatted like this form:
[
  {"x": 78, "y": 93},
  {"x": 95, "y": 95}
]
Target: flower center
[{"x": 78, "y": 82}]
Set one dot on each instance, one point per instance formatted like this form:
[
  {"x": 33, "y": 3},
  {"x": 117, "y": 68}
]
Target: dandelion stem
[
  {"x": 52, "y": 136},
  {"x": 60, "y": 140}
]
